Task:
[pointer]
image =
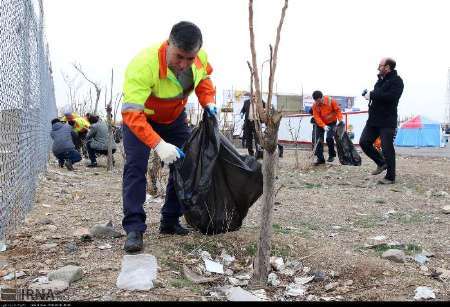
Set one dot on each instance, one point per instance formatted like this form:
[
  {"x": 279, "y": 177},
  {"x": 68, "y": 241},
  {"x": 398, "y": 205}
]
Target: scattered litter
[
  {"x": 213, "y": 267},
  {"x": 424, "y": 293},
  {"x": 3, "y": 246},
  {"x": 237, "y": 282},
  {"x": 261, "y": 294},
  {"x": 138, "y": 272},
  {"x": 41, "y": 280},
  {"x": 421, "y": 259},
  {"x": 105, "y": 246},
  {"x": 277, "y": 263},
  {"x": 295, "y": 290},
  {"x": 227, "y": 259},
  {"x": 237, "y": 294},
  {"x": 195, "y": 278},
  {"x": 205, "y": 255},
  {"x": 303, "y": 280},
  {"x": 11, "y": 275},
  {"x": 273, "y": 280},
  {"x": 331, "y": 286}
]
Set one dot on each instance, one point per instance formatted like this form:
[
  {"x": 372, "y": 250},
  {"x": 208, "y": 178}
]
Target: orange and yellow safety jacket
[
  {"x": 152, "y": 91},
  {"x": 326, "y": 112},
  {"x": 81, "y": 123}
]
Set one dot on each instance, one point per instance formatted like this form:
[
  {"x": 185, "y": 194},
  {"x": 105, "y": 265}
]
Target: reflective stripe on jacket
[
  {"x": 152, "y": 91},
  {"x": 326, "y": 112}
]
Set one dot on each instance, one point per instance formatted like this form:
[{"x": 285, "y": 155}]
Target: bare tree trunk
[
  {"x": 272, "y": 119},
  {"x": 109, "y": 120}
]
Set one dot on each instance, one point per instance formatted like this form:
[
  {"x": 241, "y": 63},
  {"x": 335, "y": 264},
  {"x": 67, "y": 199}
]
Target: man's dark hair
[
  {"x": 317, "y": 95},
  {"x": 186, "y": 36},
  {"x": 55, "y": 120},
  {"x": 391, "y": 63},
  {"x": 93, "y": 119}
]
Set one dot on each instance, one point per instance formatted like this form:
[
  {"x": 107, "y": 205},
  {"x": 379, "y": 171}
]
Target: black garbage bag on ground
[
  {"x": 214, "y": 183},
  {"x": 345, "y": 149}
]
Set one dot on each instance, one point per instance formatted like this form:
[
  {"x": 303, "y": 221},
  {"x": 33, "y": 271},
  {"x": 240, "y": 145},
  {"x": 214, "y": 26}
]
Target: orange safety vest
[
  {"x": 326, "y": 112},
  {"x": 151, "y": 91}
]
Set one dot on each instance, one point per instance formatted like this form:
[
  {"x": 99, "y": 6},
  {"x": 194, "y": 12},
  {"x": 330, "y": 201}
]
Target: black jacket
[
  {"x": 246, "y": 108},
  {"x": 384, "y": 101}
]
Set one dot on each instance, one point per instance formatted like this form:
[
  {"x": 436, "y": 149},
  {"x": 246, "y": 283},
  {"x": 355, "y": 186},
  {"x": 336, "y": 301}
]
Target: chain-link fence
[{"x": 27, "y": 104}]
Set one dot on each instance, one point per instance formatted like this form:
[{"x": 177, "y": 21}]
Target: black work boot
[
  {"x": 330, "y": 159},
  {"x": 319, "y": 161},
  {"x": 379, "y": 169},
  {"x": 172, "y": 229},
  {"x": 69, "y": 165},
  {"x": 92, "y": 164},
  {"x": 134, "y": 242}
]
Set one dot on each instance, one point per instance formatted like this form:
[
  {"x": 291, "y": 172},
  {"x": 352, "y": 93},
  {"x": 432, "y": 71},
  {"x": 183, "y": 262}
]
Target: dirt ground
[{"x": 326, "y": 217}]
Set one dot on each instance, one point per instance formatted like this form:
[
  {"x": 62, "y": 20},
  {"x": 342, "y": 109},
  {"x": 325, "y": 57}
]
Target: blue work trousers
[{"x": 134, "y": 175}]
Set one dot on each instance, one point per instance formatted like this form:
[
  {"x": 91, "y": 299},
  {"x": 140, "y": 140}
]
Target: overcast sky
[{"x": 333, "y": 46}]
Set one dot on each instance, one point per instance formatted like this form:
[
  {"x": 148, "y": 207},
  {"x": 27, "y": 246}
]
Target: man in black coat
[
  {"x": 382, "y": 121},
  {"x": 249, "y": 113},
  {"x": 250, "y": 134}
]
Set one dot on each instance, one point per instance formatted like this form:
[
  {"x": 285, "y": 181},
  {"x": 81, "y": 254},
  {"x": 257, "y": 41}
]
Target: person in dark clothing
[
  {"x": 382, "y": 121},
  {"x": 249, "y": 113},
  {"x": 97, "y": 140},
  {"x": 313, "y": 134},
  {"x": 63, "y": 147},
  {"x": 327, "y": 114}
]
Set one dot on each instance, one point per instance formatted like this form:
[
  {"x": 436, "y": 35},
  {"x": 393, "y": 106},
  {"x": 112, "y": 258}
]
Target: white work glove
[
  {"x": 168, "y": 152},
  {"x": 326, "y": 128}
]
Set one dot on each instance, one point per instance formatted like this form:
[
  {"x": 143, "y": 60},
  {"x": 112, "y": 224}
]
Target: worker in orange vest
[
  {"x": 157, "y": 84},
  {"x": 327, "y": 114}
]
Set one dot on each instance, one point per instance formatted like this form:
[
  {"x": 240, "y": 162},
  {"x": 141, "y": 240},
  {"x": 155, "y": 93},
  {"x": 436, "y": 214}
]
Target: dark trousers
[
  {"x": 72, "y": 155},
  {"x": 368, "y": 136},
  {"x": 250, "y": 135},
  {"x": 134, "y": 175},
  {"x": 92, "y": 152},
  {"x": 78, "y": 140},
  {"x": 320, "y": 133}
]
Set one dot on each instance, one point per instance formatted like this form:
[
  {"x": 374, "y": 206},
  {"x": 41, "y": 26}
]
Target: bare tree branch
[
  {"x": 258, "y": 93},
  {"x": 94, "y": 84}
]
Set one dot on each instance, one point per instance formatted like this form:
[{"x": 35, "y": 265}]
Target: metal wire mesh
[{"x": 27, "y": 104}]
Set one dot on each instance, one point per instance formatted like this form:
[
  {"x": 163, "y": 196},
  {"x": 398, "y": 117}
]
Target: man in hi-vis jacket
[{"x": 157, "y": 84}]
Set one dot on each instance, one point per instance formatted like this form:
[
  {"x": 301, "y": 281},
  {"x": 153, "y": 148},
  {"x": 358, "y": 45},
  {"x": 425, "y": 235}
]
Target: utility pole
[{"x": 448, "y": 98}]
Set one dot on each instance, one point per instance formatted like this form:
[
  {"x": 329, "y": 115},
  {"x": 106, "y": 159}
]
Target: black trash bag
[
  {"x": 214, "y": 183},
  {"x": 345, "y": 149}
]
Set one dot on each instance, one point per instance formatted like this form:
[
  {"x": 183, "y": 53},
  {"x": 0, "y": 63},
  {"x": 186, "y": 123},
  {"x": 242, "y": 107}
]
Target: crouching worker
[
  {"x": 97, "y": 140},
  {"x": 63, "y": 147}
]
